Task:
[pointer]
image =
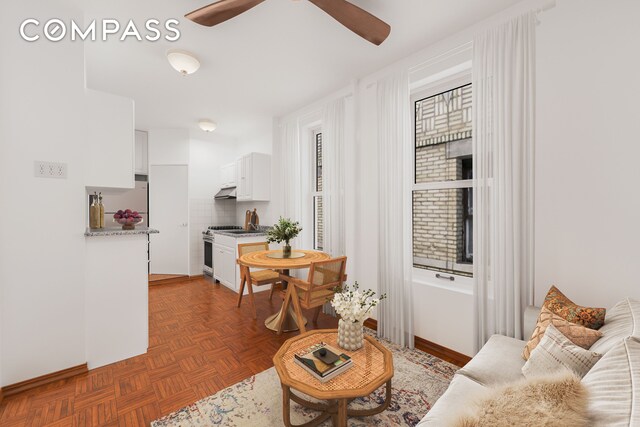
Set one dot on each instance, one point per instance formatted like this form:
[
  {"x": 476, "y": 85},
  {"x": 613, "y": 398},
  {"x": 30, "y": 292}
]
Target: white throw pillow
[
  {"x": 621, "y": 321},
  {"x": 614, "y": 386},
  {"x": 556, "y": 352}
]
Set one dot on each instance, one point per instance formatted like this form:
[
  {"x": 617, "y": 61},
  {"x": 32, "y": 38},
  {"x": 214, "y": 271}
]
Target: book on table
[{"x": 323, "y": 361}]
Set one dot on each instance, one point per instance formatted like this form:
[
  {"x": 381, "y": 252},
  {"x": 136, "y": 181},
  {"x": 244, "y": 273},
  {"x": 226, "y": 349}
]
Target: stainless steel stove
[{"x": 208, "y": 238}]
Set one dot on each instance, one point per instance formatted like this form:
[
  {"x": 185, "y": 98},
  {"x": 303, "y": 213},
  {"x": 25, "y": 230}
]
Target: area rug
[{"x": 419, "y": 380}]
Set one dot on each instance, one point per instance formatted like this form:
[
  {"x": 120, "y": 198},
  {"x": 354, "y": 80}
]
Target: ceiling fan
[{"x": 351, "y": 16}]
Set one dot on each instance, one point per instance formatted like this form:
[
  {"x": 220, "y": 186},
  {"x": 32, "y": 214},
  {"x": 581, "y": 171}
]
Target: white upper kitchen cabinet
[
  {"x": 142, "y": 153},
  {"x": 253, "y": 182},
  {"x": 110, "y": 147},
  {"x": 228, "y": 175}
]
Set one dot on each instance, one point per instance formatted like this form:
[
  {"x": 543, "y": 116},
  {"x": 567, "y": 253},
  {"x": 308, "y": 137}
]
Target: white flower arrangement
[{"x": 353, "y": 305}]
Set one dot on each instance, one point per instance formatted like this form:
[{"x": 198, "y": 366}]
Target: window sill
[{"x": 462, "y": 285}]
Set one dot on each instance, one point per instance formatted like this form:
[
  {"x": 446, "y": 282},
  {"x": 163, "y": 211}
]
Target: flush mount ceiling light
[
  {"x": 207, "y": 125},
  {"x": 183, "y": 62}
]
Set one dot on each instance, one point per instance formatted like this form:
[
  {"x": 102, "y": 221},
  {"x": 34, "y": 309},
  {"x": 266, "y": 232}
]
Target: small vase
[
  {"x": 350, "y": 335},
  {"x": 286, "y": 251}
]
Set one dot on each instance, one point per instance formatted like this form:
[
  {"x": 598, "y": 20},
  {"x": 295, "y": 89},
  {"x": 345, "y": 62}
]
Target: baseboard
[
  {"x": 9, "y": 390},
  {"x": 179, "y": 279},
  {"x": 432, "y": 348}
]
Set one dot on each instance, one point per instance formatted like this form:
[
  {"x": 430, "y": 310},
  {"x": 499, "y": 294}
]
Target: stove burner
[{"x": 225, "y": 227}]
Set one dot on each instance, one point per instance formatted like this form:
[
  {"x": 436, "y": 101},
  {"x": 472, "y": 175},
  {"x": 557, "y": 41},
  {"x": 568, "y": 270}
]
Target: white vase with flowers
[{"x": 353, "y": 306}]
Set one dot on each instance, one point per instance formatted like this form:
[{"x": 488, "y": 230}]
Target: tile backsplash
[{"x": 224, "y": 212}]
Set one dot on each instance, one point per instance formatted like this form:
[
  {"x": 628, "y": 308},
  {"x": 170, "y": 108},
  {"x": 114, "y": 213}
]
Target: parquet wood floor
[{"x": 199, "y": 343}]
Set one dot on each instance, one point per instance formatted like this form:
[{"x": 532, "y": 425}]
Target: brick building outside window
[{"x": 442, "y": 189}]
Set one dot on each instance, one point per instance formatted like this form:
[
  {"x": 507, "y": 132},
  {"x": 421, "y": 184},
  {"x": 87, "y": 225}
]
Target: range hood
[{"x": 226, "y": 193}]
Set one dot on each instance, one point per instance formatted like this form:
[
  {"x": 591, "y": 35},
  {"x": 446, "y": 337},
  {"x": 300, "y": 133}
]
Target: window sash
[
  {"x": 317, "y": 191},
  {"x": 425, "y": 274}
]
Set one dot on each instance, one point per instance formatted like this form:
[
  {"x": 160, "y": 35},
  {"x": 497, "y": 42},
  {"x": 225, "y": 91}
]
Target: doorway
[{"x": 169, "y": 202}]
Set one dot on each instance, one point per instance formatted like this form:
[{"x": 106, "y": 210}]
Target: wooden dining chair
[
  {"x": 317, "y": 290},
  {"x": 255, "y": 278}
]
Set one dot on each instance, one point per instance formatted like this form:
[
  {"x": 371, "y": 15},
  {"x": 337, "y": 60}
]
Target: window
[
  {"x": 318, "y": 218},
  {"x": 442, "y": 188}
]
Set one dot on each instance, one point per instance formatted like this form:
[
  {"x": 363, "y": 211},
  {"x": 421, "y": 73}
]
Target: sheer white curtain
[
  {"x": 287, "y": 162},
  {"x": 333, "y": 143},
  {"x": 503, "y": 165},
  {"x": 395, "y": 314}
]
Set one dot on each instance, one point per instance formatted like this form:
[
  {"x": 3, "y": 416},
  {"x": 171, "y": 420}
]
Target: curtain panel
[
  {"x": 395, "y": 314},
  {"x": 503, "y": 167},
  {"x": 333, "y": 176},
  {"x": 287, "y": 156}
]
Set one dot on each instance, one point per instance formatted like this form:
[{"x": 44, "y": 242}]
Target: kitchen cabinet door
[
  {"x": 224, "y": 265},
  {"x": 254, "y": 177},
  {"x": 243, "y": 190},
  {"x": 110, "y": 141},
  {"x": 228, "y": 175},
  {"x": 141, "y": 155}
]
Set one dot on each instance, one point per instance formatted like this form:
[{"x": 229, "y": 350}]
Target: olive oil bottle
[
  {"x": 101, "y": 210},
  {"x": 94, "y": 212}
]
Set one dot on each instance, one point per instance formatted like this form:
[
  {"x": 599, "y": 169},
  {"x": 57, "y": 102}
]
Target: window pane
[
  {"x": 318, "y": 220},
  {"x": 443, "y": 135},
  {"x": 318, "y": 162},
  {"x": 443, "y": 230}
]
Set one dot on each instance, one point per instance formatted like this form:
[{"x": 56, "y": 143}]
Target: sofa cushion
[
  {"x": 556, "y": 352},
  {"x": 461, "y": 392},
  {"x": 577, "y": 334},
  {"x": 622, "y": 321},
  {"x": 559, "y": 304},
  {"x": 614, "y": 386},
  {"x": 499, "y": 361}
]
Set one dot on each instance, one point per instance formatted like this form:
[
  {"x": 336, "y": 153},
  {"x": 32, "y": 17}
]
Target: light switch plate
[{"x": 50, "y": 170}]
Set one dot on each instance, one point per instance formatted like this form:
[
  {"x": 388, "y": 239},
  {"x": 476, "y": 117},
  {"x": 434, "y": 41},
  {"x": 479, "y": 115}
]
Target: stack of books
[{"x": 323, "y": 361}]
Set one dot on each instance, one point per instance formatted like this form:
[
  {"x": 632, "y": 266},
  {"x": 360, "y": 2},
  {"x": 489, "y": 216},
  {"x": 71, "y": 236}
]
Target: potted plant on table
[
  {"x": 284, "y": 231},
  {"x": 353, "y": 306}
]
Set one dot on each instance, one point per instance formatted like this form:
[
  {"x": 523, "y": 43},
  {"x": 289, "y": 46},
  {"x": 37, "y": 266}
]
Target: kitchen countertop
[
  {"x": 118, "y": 231},
  {"x": 262, "y": 232}
]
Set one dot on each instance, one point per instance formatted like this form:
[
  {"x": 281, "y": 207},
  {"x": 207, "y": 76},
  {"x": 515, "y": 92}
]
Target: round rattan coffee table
[{"x": 372, "y": 368}]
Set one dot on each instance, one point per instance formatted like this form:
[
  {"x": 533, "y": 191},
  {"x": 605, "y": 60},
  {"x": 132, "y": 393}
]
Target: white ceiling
[{"x": 276, "y": 57}]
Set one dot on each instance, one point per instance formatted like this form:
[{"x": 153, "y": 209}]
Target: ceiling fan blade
[
  {"x": 357, "y": 20},
  {"x": 220, "y": 11}
]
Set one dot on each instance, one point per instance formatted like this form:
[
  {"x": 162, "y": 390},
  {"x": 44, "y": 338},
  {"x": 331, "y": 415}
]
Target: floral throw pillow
[{"x": 559, "y": 304}]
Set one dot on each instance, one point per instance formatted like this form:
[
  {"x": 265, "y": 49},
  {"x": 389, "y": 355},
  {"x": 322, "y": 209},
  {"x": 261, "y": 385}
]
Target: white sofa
[{"x": 500, "y": 361}]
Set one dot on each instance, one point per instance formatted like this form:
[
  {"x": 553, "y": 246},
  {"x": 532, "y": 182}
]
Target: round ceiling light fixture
[
  {"x": 183, "y": 62},
  {"x": 207, "y": 125}
]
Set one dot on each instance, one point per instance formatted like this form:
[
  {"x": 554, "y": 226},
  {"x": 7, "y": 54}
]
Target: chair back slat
[
  {"x": 325, "y": 275},
  {"x": 245, "y": 248}
]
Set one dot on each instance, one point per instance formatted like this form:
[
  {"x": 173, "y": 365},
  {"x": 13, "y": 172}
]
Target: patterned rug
[{"x": 419, "y": 380}]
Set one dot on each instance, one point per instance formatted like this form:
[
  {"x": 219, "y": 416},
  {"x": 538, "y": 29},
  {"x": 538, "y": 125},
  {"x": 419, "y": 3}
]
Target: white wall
[
  {"x": 587, "y": 152},
  {"x": 42, "y": 245},
  {"x": 168, "y": 147}
]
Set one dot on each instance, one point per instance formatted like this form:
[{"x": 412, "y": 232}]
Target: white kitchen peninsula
[{"x": 117, "y": 294}]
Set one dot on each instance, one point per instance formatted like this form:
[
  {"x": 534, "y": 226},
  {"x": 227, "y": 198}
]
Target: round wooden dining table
[{"x": 274, "y": 260}]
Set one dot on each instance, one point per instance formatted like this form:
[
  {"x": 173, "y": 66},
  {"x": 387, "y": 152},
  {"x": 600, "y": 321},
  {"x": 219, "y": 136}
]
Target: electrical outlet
[{"x": 50, "y": 170}]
